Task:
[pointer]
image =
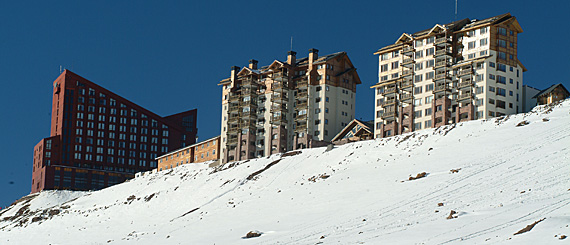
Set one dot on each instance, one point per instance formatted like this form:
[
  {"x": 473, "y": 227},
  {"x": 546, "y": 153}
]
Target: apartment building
[
  {"x": 100, "y": 139},
  {"x": 206, "y": 150},
  {"x": 292, "y": 104},
  {"x": 464, "y": 70}
]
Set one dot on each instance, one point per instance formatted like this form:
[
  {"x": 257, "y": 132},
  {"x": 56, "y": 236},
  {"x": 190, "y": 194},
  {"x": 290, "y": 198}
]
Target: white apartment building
[
  {"x": 450, "y": 73},
  {"x": 287, "y": 105}
]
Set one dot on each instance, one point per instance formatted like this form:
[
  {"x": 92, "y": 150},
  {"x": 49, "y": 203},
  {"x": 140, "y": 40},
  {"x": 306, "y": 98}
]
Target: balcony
[
  {"x": 233, "y": 130},
  {"x": 301, "y": 118},
  {"x": 465, "y": 72},
  {"x": 246, "y": 83},
  {"x": 233, "y": 120},
  {"x": 302, "y": 94},
  {"x": 303, "y": 83},
  {"x": 465, "y": 84},
  {"x": 279, "y": 97},
  {"x": 442, "y": 76},
  {"x": 234, "y": 99},
  {"x": 233, "y": 108},
  {"x": 278, "y": 86},
  {"x": 247, "y": 114},
  {"x": 441, "y": 88},
  {"x": 466, "y": 96},
  {"x": 302, "y": 105},
  {"x": 279, "y": 76},
  {"x": 406, "y": 84},
  {"x": 406, "y": 97},
  {"x": 388, "y": 115},
  {"x": 233, "y": 141},
  {"x": 388, "y": 102},
  {"x": 442, "y": 41},
  {"x": 443, "y": 52},
  {"x": 277, "y": 108},
  {"x": 406, "y": 73},
  {"x": 408, "y": 62},
  {"x": 300, "y": 128},
  {"x": 390, "y": 90},
  {"x": 278, "y": 120},
  {"x": 442, "y": 64},
  {"x": 408, "y": 49}
]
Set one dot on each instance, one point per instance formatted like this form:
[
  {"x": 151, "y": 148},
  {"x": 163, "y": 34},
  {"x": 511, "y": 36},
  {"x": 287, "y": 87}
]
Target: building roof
[
  {"x": 364, "y": 126},
  {"x": 550, "y": 89}
]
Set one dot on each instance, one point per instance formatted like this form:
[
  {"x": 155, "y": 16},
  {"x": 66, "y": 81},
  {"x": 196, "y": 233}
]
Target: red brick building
[{"x": 99, "y": 139}]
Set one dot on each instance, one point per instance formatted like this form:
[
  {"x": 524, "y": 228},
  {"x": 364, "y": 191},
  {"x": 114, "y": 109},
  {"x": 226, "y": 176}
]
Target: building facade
[
  {"x": 206, "y": 150},
  {"x": 464, "y": 70},
  {"x": 554, "y": 93},
  {"x": 99, "y": 138},
  {"x": 293, "y": 104}
]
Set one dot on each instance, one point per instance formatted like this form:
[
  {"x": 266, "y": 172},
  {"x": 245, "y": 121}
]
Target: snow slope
[{"x": 506, "y": 177}]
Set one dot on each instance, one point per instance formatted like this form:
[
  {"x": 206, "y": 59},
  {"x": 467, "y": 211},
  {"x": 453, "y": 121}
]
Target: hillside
[{"x": 484, "y": 181}]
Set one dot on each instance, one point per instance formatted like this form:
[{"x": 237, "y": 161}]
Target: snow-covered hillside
[{"x": 484, "y": 181}]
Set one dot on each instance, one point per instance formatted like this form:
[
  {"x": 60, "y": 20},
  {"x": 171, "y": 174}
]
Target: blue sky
[{"x": 168, "y": 56}]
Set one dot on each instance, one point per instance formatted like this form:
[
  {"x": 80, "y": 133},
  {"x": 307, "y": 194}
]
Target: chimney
[
  {"x": 234, "y": 73},
  {"x": 313, "y": 55},
  {"x": 291, "y": 57},
  {"x": 253, "y": 64}
]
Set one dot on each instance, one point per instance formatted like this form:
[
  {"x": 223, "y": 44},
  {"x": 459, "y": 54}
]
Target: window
[
  {"x": 383, "y": 68},
  {"x": 419, "y": 43},
  {"x": 510, "y": 93},
  {"x": 430, "y": 40},
  {"x": 419, "y": 54},
  {"x": 491, "y": 64},
  {"x": 491, "y": 89},
  {"x": 394, "y": 75},
  {"x": 502, "y": 55},
  {"x": 471, "y": 45},
  {"x": 429, "y": 87},
  {"x": 483, "y": 42},
  {"x": 501, "y": 92},
  {"x": 501, "y": 43},
  {"x": 429, "y": 76},
  {"x": 430, "y": 63},
  {"x": 500, "y": 104},
  {"x": 428, "y": 112},
  {"x": 501, "y": 79},
  {"x": 491, "y": 76},
  {"x": 471, "y": 56},
  {"x": 418, "y": 102},
  {"x": 419, "y": 66},
  {"x": 429, "y": 99},
  {"x": 483, "y": 53},
  {"x": 430, "y": 51},
  {"x": 427, "y": 124},
  {"x": 491, "y": 101},
  {"x": 395, "y": 65},
  {"x": 418, "y": 78},
  {"x": 385, "y": 56},
  {"x": 483, "y": 30},
  {"x": 417, "y": 126},
  {"x": 417, "y": 90},
  {"x": 417, "y": 114},
  {"x": 395, "y": 54},
  {"x": 502, "y": 31}
]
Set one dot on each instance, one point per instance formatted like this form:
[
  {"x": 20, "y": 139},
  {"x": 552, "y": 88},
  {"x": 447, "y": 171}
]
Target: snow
[{"x": 508, "y": 177}]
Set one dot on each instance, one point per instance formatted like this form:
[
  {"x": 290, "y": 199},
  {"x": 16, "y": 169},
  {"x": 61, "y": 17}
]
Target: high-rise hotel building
[
  {"x": 464, "y": 70},
  {"x": 293, "y": 104},
  {"x": 99, "y": 138}
]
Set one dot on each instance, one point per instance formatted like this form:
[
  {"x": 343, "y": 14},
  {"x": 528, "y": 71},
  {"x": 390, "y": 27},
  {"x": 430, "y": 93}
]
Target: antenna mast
[
  {"x": 291, "y": 44},
  {"x": 455, "y": 9}
]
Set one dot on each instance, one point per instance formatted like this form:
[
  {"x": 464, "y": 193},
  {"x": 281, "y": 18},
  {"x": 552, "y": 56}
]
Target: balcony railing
[
  {"x": 389, "y": 91},
  {"x": 441, "y": 88},
  {"x": 406, "y": 97},
  {"x": 302, "y": 83},
  {"x": 440, "y": 64},
  {"x": 444, "y": 75},
  {"x": 408, "y": 49},
  {"x": 407, "y": 73},
  {"x": 442, "y": 52},
  {"x": 408, "y": 61},
  {"x": 406, "y": 84},
  {"x": 301, "y": 105},
  {"x": 465, "y": 72},
  {"x": 279, "y": 108},
  {"x": 302, "y": 94},
  {"x": 465, "y": 84},
  {"x": 388, "y": 114},
  {"x": 279, "y": 97},
  {"x": 441, "y": 40},
  {"x": 388, "y": 102}
]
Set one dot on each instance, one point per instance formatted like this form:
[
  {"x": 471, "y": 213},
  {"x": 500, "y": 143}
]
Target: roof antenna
[
  {"x": 455, "y": 10},
  {"x": 291, "y": 44},
  {"x": 60, "y": 69}
]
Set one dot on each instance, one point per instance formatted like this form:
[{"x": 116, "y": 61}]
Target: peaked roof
[
  {"x": 550, "y": 89},
  {"x": 365, "y": 126}
]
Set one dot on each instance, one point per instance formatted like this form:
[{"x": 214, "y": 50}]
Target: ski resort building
[
  {"x": 464, "y": 70},
  {"x": 99, "y": 138},
  {"x": 293, "y": 104},
  {"x": 206, "y": 150}
]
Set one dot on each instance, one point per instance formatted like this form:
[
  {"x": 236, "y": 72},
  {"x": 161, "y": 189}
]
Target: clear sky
[{"x": 168, "y": 56}]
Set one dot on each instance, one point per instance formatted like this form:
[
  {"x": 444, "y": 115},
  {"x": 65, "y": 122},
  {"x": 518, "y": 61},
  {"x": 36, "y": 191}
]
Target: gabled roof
[
  {"x": 405, "y": 37},
  {"x": 364, "y": 127},
  {"x": 550, "y": 89}
]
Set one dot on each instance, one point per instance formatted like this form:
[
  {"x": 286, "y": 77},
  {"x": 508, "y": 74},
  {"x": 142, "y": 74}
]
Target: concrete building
[
  {"x": 292, "y": 104},
  {"x": 464, "y": 70},
  {"x": 99, "y": 138},
  {"x": 529, "y": 101},
  {"x": 206, "y": 150}
]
